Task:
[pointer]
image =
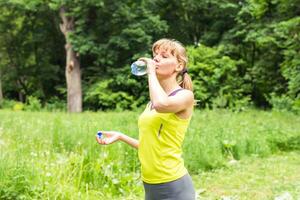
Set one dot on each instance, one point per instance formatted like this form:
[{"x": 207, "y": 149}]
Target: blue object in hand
[{"x": 99, "y": 134}]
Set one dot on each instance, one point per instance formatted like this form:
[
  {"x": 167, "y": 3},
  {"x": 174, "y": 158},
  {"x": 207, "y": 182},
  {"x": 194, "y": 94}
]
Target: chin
[
  {"x": 162, "y": 76},
  {"x": 159, "y": 76}
]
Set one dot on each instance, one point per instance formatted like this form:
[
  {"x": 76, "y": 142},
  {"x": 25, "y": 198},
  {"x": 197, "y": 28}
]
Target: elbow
[{"x": 160, "y": 106}]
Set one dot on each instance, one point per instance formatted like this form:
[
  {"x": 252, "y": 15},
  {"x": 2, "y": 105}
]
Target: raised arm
[
  {"x": 164, "y": 103},
  {"x": 160, "y": 100}
]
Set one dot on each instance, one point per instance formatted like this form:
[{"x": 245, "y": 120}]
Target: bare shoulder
[
  {"x": 188, "y": 92},
  {"x": 188, "y": 95}
]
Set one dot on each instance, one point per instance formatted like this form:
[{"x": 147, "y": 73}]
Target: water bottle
[
  {"x": 99, "y": 134},
  {"x": 139, "y": 68}
]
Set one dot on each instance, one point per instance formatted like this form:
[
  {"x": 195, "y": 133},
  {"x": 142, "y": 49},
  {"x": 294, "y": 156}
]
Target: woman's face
[{"x": 166, "y": 63}]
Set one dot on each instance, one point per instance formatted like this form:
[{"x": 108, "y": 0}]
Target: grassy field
[
  {"x": 276, "y": 176},
  {"x": 246, "y": 155}
]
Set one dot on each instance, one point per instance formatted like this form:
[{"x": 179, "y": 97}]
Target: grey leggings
[{"x": 180, "y": 189}]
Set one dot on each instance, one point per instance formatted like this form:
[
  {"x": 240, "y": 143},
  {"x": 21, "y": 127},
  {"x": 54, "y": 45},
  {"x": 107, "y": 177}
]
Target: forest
[{"x": 76, "y": 55}]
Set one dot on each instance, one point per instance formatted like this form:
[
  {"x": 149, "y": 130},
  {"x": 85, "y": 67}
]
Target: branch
[{"x": 68, "y": 22}]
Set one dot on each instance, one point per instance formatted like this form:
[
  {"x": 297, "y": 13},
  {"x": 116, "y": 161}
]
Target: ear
[{"x": 179, "y": 67}]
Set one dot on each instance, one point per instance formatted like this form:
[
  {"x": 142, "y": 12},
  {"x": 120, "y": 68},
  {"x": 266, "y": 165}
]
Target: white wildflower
[
  {"x": 33, "y": 154},
  {"x": 48, "y": 174},
  {"x": 284, "y": 196}
]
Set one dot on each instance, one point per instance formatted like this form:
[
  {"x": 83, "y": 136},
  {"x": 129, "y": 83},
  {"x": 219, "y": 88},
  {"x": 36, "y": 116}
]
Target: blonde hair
[{"x": 177, "y": 50}]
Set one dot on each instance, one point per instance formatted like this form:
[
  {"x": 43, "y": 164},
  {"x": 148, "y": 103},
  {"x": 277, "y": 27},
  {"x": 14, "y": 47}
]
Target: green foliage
[
  {"x": 33, "y": 104},
  {"x": 252, "y": 49},
  {"x": 29, "y": 64},
  {"x": 108, "y": 93},
  {"x": 216, "y": 78},
  {"x": 281, "y": 102},
  {"x": 102, "y": 98},
  {"x": 284, "y": 103},
  {"x": 234, "y": 136},
  {"x": 55, "y": 104},
  {"x": 288, "y": 39},
  {"x": 193, "y": 21},
  {"x": 114, "y": 33},
  {"x": 18, "y": 106},
  {"x": 61, "y": 150},
  {"x": 17, "y": 184},
  {"x": 8, "y": 104},
  {"x": 296, "y": 106},
  {"x": 264, "y": 37},
  {"x": 246, "y": 179}
]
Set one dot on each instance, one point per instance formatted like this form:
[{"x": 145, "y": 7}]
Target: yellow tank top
[{"x": 160, "y": 146}]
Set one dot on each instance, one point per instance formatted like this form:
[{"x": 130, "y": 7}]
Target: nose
[{"x": 156, "y": 58}]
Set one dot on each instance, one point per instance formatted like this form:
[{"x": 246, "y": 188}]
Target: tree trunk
[
  {"x": 1, "y": 94},
  {"x": 73, "y": 73}
]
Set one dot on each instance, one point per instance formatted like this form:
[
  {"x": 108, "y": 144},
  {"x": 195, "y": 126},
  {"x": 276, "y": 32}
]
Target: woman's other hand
[{"x": 108, "y": 137}]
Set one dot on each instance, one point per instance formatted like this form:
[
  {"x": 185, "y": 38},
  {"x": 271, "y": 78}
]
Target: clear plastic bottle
[{"x": 139, "y": 68}]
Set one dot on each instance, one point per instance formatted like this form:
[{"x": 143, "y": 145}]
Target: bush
[
  {"x": 101, "y": 97},
  {"x": 55, "y": 104},
  {"x": 217, "y": 82},
  {"x": 8, "y": 104},
  {"x": 282, "y": 102},
  {"x": 33, "y": 104},
  {"x": 12, "y": 105},
  {"x": 120, "y": 92},
  {"x": 18, "y": 106},
  {"x": 296, "y": 106}
]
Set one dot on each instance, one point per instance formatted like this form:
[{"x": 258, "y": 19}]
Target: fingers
[
  {"x": 146, "y": 60},
  {"x": 101, "y": 141},
  {"x": 109, "y": 133},
  {"x": 108, "y": 137},
  {"x": 106, "y": 133},
  {"x": 104, "y": 140}
]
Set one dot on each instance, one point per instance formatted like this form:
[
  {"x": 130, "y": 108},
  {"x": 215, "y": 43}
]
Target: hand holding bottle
[
  {"x": 107, "y": 137},
  {"x": 151, "y": 65},
  {"x": 139, "y": 68},
  {"x": 143, "y": 66}
]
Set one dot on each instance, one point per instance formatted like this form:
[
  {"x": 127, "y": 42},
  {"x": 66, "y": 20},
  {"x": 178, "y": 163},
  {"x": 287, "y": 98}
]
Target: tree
[
  {"x": 22, "y": 22},
  {"x": 112, "y": 37},
  {"x": 265, "y": 37},
  {"x": 1, "y": 93},
  {"x": 254, "y": 43},
  {"x": 194, "y": 21},
  {"x": 73, "y": 74},
  {"x": 29, "y": 64},
  {"x": 216, "y": 78},
  {"x": 105, "y": 35}
]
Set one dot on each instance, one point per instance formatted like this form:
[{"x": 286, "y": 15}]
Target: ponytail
[{"x": 186, "y": 81}]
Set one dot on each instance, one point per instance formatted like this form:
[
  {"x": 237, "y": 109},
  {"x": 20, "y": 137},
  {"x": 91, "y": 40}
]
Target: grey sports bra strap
[
  {"x": 171, "y": 94},
  {"x": 175, "y": 91}
]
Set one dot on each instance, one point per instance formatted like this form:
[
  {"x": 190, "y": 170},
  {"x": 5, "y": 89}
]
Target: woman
[{"x": 163, "y": 124}]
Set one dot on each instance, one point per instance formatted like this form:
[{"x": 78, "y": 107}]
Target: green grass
[
  {"x": 253, "y": 178},
  {"x": 55, "y": 155}
]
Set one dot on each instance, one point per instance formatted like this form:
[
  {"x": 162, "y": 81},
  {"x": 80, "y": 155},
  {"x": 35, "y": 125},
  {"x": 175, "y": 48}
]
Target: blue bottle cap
[{"x": 99, "y": 134}]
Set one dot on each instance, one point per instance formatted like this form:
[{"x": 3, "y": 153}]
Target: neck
[{"x": 169, "y": 85}]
